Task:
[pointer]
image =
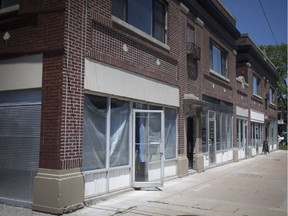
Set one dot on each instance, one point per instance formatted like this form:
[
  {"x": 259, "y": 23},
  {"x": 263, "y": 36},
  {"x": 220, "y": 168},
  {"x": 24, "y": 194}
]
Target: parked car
[{"x": 282, "y": 140}]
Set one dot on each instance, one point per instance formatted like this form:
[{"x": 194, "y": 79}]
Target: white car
[{"x": 282, "y": 140}]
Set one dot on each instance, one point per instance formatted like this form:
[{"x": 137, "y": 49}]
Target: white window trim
[
  {"x": 139, "y": 32},
  {"x": 9, "y": 9}
]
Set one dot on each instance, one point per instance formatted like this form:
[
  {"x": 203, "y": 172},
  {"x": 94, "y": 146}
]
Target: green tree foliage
[{"x": 278, "y": 56}]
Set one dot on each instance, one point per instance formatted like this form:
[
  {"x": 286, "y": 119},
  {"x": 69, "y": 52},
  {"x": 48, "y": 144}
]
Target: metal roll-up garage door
[{"x": 20, "y": 115}]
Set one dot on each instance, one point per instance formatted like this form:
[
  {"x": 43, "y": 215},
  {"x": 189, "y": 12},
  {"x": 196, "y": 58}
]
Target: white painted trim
[
  {"x": 242, "y": 111},
  {"x": 184, "y": 8},
  {"x": 106, "y": 79},
  {"x": 23, "y": 72},
  {"x": 256, "y": 116}
]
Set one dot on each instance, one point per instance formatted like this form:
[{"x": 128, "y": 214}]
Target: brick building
[
  {"x": 256, "y": 100},
  {"x": 96, "y": 97}
]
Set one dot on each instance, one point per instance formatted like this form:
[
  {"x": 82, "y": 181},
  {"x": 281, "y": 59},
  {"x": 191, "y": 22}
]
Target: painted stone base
[
  {"x": 199, "y": 162},
  {"x": 182, "y": 167},
  {"x": 235, "y": 155},
  {"x": 58, "y": 191},
  {"x": 249, "y": 153}
]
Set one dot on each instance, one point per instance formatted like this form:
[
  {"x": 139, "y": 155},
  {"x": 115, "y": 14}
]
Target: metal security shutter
[{"x": 20, "y": 115}]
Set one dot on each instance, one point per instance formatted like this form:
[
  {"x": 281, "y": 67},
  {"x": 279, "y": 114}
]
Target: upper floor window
[
  {"x": 8, "y": 3},
  {"x": 146, "y": 15},
  {"x": 190, "y": 35},
  {"x": 272, "y": 96},
  {"x": 218, "y": 60},
  {"x": 256, "y": 85}
]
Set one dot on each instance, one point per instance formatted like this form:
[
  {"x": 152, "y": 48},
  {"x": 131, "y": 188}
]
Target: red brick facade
[{"x": 67, "y": 32}]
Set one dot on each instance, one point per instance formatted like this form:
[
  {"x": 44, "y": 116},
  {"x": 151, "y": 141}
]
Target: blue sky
[{"x": 251, "y": 19}]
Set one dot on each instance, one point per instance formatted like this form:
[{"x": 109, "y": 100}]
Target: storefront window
[
  {"x": 94, "y": 141},
  {"x": 229, "y": 131},
  {"x": 100, "y": 112},
  {"x": 204, "y": 131},
  {"x": 272, "y": 134},
  {"x": 225, "y": 126},
  {"x": 170, "y": 133},
  {"x": 220, "y": 131},
  {"x": 119, "y": 133},
  {"x": 241, "y": 133},
  {"x": 257, "y": 134},
  {"x": 106, "y": 132}
]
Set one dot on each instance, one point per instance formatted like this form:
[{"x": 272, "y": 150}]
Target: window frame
[
  {"x": 256, "y": 88},
  {"x": 151, "y": 34},
  {"x": 220, "y": 61},
  {"x": 272, "y": 96}
]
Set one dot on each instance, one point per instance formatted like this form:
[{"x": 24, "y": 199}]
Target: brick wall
[
  {"x": 36, "y": 28},
  {"x": 67, "y": 32}
]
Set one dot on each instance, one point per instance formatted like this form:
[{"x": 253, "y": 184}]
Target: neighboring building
[
  {"x": 256, "y": 101},
  {"x": 96, "y": 96},
  {"x": 207, "y": 80}
]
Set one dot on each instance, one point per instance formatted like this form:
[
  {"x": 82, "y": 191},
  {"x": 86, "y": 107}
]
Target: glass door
[{"x": 148, "y": 140}]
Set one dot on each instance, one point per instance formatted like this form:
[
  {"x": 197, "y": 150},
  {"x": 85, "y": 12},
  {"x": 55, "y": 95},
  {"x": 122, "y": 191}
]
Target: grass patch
[{"x": 283, "y": 147}]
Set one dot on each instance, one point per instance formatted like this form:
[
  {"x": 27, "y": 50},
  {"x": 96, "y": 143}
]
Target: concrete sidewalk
[{"x": 256, "y": 186}]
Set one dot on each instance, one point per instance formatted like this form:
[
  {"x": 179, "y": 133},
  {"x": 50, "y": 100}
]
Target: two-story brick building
[
  {"x": 100, "y": 96},
  {"x": 255, "y": 101},
  {"x": 207, "y": 85}
]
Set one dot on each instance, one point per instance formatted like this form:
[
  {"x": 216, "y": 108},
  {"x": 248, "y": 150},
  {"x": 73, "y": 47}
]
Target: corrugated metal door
[{"x": 20, "y": 115}]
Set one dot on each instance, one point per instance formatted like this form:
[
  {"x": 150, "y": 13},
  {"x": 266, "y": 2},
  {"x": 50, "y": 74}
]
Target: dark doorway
[{"x": 190, "y": 141}]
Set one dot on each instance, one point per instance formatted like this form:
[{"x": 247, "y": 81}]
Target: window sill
[
  {"x": 9, "y": 9},
  {"x": 139, "y": 32},
  {"x": 272, "y": 105},
  {"x": 219, "y": 76},
  {"x": 257, "y": 96}
]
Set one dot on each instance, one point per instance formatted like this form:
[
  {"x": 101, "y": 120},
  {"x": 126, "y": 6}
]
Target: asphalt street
[{"x": 251, "y": 187}]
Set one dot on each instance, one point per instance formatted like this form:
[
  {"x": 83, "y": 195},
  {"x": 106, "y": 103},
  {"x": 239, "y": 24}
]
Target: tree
[{"x": 278, "y": 56}]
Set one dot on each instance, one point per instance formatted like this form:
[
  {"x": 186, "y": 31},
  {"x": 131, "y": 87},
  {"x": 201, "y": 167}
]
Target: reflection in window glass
[
  {"x": 225, "y": 126},
  {"x": 218, "y": 131},
  {"x": 204, "y": 131},
  {"x": 272, "y": 96},
  {"x": 218, "y": 60},
  {"x": 220, "y": 128},
  {"x": 94, "y": 138},
  {"x": 159, "y": 21},
  {"x": 256, "y": 85},
  {"x": 170, "y": 133},
  {"x": 141, "y": 20},
  {"x": 147, "y": 15},
  {"x": 257, "y": 134},
  {"x": 119, "y": 133}
]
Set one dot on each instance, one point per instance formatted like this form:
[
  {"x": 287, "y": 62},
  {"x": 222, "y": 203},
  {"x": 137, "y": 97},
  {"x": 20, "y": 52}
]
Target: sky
[{"x": 250, "y": 19}]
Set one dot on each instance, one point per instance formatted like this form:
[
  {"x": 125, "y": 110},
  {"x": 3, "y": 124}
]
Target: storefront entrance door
[{"x": 148, "y": 139}]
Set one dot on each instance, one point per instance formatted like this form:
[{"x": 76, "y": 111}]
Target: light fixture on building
[
  {"x": 158, "y": 62},
  {"x": 125, "y": 48},
  {"x": 6, "y": 36}
]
